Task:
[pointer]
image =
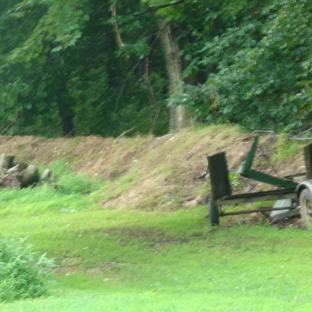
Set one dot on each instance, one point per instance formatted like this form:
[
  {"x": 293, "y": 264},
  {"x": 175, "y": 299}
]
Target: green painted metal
[
  {"x": 248, "y": 163},
  {"x": 266, "y": 178},
  {"x": 245, "y": 171}
]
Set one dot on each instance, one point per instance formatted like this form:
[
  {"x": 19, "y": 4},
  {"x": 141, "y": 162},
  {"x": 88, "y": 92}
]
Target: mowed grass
[{"x": 128, "y": 260}]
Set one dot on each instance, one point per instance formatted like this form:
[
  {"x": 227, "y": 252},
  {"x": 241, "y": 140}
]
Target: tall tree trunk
[
  {"x": 67, "y": 120},
  {"x": 178, "y": 116},
  {"x": 65, "y": 111}
]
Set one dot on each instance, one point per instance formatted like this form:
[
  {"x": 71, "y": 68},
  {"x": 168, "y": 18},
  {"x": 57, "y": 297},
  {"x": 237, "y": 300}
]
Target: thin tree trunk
[
  {"x": 178, "y": 116},
  {"x": 65, "y": 111},
  {"x": 67, "y": 120}
]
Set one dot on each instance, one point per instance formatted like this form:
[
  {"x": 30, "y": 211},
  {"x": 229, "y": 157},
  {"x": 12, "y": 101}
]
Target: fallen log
[
  {"x": 19, "y": 174},
  {"x": 22, "y": 165},
  {"x": 16, "y": 169}
]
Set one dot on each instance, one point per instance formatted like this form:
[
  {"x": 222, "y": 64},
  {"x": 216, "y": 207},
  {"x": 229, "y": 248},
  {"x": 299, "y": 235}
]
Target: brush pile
[{"x": 19, "y": 174}]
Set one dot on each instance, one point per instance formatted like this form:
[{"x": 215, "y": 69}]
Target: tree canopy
[{"x": 82, "y": 67}]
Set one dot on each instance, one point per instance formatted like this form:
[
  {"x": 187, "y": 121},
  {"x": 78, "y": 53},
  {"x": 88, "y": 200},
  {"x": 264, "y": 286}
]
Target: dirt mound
[{"x": 145, "y": 173}]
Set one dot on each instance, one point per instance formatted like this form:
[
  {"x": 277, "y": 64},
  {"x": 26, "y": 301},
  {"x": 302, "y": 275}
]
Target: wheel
[
  {"x": 213, "y": 213},
  {"x": 305, "y": 201}
]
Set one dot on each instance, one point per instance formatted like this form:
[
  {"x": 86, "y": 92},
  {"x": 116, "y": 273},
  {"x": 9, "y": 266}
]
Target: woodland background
[{"x": 100, "y": 67}]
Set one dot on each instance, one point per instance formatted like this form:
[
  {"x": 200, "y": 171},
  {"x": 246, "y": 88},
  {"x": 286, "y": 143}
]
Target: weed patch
[
  {"x": 22, "y": 275},
  {"x": 285, "y": 148}
]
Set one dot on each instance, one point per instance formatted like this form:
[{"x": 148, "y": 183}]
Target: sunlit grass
[
  {"x": 237, "y": 269},
  {"x": 143, "y": 260},
  {"x": 127, "y": 260},
  {"x": 285, "y": 148},
  {"x": 32, "y": 201}
]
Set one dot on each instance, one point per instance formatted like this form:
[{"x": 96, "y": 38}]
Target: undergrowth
[
  {"x": 22, "y": 274},
  {"x": 68, "y": 182},
  {"x": 284, "y": 148}
]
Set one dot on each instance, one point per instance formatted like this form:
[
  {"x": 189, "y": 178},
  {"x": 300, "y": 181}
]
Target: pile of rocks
[{"x": 19, "y": 174}]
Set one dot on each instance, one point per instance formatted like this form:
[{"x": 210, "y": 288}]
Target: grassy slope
[
  {"x": 155, "y": 260},
  {"x": 164, "y": 177}
]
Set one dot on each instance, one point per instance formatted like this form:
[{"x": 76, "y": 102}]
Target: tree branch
[
  {"x": 11, "y": 124},
  {"x": 121, "y": 135},
  {"x": 148, "y": 83},
  {"x": 159, "y": 7},
  {"x": 117, "y": 34}
]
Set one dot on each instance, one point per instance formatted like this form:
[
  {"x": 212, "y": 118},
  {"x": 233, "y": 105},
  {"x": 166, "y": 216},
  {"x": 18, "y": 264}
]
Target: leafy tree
[
  {"x": 100, "y": 67},
  {"x": 255, "y": 65},
  {"x": 32, "y": 66},
  {"x": 66, "y": 70}
]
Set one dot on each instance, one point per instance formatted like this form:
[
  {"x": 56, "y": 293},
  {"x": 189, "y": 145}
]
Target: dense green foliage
[
  {"x": 66, "y": 69},
  {"x": 258, "y": 65},
  {"x": 63, "y": 73},
  {"x": 22, "y": 274}
]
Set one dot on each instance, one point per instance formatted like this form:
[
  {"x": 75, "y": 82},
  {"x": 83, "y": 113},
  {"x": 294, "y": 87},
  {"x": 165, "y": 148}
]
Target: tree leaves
[
  {"x": 247, "y": 62},
  {"x": 261, "y": 61},
  {"x": 59, "y": 22},
  {"x": 61, "y": 56}
]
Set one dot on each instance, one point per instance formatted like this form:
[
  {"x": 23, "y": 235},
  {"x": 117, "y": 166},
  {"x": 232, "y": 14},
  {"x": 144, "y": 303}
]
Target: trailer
[{"x": 291, "y": 198}]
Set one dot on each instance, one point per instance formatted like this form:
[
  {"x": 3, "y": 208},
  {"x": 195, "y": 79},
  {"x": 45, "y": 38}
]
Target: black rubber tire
[
  {"x": 213, "y": 213},
  {"x": 305, "y": 202}
]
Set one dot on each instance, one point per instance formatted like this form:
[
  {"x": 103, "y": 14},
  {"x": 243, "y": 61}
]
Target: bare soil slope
[{"x": 148, "y": 173}]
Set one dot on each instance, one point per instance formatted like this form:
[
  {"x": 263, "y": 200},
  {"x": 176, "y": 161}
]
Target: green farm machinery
[{"x": 291, "y": 198}]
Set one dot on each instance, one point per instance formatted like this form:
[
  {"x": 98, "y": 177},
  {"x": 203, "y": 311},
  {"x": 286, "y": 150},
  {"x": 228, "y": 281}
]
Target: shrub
[
  {"x": 77, "y": 184},
  {"x": 72, "y": 183},
  {"x": 22, "y": 275}
]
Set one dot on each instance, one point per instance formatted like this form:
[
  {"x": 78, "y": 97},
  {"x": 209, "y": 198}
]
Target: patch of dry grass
[{"x": 165, "y": 177}]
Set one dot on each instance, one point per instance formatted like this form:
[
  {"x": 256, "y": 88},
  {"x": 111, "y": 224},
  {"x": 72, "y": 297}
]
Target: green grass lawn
[{"x": 127, "y": 260}]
